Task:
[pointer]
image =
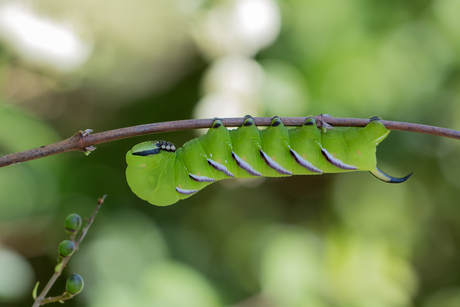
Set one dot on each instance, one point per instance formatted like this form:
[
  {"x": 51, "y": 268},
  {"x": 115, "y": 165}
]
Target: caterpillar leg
[{"x": 377, "y": 173}]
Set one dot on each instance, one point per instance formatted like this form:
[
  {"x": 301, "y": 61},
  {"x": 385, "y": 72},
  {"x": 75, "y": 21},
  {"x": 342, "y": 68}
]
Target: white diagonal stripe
[
  {"x": 334, "y": 161},
  {"x": 245, "y": 165},
  {"x": 185, "y": 191},
  {"x": 275, "y": 165},
  {"x": 305, "y": 163},
  {"x": 220, "y": 167},
  {"x": 201, "y": 178}
]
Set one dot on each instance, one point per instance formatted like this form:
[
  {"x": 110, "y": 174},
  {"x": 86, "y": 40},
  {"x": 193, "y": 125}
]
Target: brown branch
[{"x": 84, "y": 141}]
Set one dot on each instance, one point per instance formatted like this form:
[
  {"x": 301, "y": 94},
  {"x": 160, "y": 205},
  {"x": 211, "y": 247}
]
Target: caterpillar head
[
  {"x": 149, "y": 165},
  {"x": 150, "y": 148}
]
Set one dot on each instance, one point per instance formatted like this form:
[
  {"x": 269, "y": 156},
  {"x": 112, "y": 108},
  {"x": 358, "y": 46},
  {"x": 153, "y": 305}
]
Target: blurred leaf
[
  {"x": 444, "y": 298},
  {"x": 291, "y": 267},
  {"x": 173, "y": 284},
  {"x": 16, "y": 276},
  {"x": 363, "y": 272},
  {"x": 31, "y": 187}
]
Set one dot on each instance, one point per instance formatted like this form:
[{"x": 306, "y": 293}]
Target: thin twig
[
  {"x": 41, "y": 300},
  {"x": 59, "y": 298},
  {"x": 84, "y": 141},
  {"x": 100, "y": 201},
  {"x": 50, "y": 283}
]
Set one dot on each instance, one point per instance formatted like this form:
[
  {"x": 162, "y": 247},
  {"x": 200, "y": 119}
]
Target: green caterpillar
[{"x": 161, "y": 174}]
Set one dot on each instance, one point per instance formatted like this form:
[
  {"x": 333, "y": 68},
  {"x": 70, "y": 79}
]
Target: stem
[
  {"x": 100, "y": 201},
  {"x": 55, "y": 299},
  {"x": 50, "y": 283},
  {"x": 40, "y": 300},
  {"x": 83, "y": 141}
]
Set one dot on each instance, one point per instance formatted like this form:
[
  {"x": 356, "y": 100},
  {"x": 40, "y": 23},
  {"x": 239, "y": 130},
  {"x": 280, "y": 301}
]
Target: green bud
[
  {"x": 58, "y": 267},
  {"x": 72, "y": 224},
  {"x": 74, "y": 284},
  {"x": 66, "y": 248}
]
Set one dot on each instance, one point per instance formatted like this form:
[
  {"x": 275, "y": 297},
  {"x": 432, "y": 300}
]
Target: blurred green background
[{"x": 318, "y": 241}]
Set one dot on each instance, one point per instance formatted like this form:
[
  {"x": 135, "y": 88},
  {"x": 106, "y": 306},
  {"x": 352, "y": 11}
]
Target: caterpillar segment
[{"x": 162, "y": 175}]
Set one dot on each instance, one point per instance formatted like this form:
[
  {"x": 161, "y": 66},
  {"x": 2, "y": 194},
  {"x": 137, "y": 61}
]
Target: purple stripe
[
  {"x": 330, "y": 158},
  {"x": 185, "y": 191},
  {"x": 201, "y": 178},
  {"x": 274, "y": 165},
  {"x": 305, "y": 163},
  {"x": 246, "y": 166},
  {"x": 220, "y": 167}
]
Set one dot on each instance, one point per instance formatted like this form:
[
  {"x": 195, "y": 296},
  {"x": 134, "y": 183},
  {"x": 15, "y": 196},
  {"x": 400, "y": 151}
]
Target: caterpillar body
[{"x": 162, "y": 175}]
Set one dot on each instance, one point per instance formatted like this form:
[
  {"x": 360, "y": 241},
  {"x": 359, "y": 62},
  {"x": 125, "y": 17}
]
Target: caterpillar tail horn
[{"x": 377, "y": 173}]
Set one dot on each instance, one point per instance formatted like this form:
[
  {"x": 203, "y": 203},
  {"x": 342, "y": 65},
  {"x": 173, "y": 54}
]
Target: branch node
[
  {"x": 89, "y": 149},
  {"x": 79, "y": 138},
  {"x": 322, "y": 124},
  {"x": 87, "y": 132}
]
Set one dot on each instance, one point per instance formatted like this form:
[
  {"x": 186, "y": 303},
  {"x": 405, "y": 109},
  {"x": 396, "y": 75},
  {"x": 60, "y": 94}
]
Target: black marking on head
[
  {"x": 310, "y": 121},
  {"x": 248, "y": 116},
  {"x": 162, "y": 145},
  {"x": 375, "y": 118},
  {"x": 248, "y": 122},
  {"x": 276, "y": 121},
  {"x": 147, "y": 152},
  {"x": 216, "y": 124}
]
